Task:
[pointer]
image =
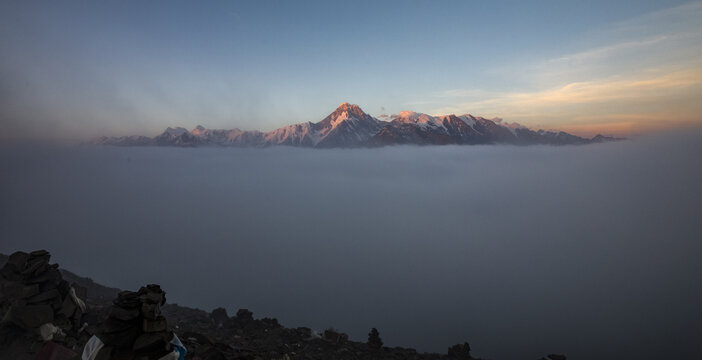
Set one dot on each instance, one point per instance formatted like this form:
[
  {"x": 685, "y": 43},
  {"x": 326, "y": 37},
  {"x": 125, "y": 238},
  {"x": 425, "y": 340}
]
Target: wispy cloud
[
  {"x": 586, "y": 106},
  {"x": 601, "y": 52},
  {"x": 608, "y": 90},
  {"x": 623, "y": 84}
]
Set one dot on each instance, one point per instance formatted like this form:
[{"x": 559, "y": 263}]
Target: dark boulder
[
  {"x": 334, "y": 335},
  {"x": 460, "y": 351},
  {"x": 374, "y": 341},
  {"x": 219, "y": 316},
  {"x": 135, "y": 327},
  {"x": 244, "y": 315}
]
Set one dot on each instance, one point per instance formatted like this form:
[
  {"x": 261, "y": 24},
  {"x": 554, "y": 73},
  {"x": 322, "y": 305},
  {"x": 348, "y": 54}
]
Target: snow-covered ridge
[
  {"x": 411, "y": 117},
  {"x": 350, "y": 126},
  {"x": 175, "y": 131}
]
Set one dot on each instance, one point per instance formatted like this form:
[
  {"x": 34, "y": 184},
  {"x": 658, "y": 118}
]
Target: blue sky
[{"x": 81, "y": 69}]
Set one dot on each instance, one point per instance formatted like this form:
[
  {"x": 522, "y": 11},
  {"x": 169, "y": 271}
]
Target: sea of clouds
[{"x": 593, "y": 251}]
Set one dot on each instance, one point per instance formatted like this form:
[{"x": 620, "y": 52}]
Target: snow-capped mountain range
[{"x": 348, "y": 126}]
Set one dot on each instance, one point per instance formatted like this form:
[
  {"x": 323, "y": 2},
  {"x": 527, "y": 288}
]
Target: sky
[{"x": 76, "y": 69}]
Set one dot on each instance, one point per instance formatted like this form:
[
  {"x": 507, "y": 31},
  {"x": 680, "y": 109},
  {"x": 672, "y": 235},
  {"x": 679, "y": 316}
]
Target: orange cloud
[{"x": 649, "y": 101}]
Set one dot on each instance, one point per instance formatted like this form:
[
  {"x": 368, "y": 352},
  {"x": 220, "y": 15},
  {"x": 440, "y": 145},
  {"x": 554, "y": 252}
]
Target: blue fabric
[{"x": 179, "y": 347}]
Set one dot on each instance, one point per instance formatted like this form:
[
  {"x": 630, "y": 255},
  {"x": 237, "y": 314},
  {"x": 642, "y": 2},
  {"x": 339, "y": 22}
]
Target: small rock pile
[
  {"x": 135, "y": 328},
  {"x": 374, "y": 341},
  {"x": 215, "y": 336},
  {"x": 37, "y": 304},
  {"x": 460, "y": 352}
]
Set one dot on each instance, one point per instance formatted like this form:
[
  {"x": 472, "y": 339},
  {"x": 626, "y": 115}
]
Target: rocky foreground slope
[
  {"x": 348, "y": 127},
  {"x": 207, "y": 336}
]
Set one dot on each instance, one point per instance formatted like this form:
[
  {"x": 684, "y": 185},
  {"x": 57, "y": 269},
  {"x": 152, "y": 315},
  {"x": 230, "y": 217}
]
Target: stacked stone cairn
[
  {"x": 135, "y": 328},
  {"x": 34, "y": 299}
]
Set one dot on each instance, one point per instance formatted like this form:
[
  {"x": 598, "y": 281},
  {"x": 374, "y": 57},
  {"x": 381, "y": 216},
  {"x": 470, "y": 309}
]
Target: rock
[
  {"x": 211, "y": 353},
  {"x": 48, "y": 331},
  {"x": 270, "y": 323},
  {"x": 151, "y": 297},
  {"x": 134, "y": 325},
  {"x": 152, "y": 344},
  {"x": 15, "y": 264},
  {"x": 333, "y": 335},
  {"x": 123, "y": 313},
  {"x": 37, "y": 304},
  {"x": 460, "y": 351},
  {"x": 244, "y": 315},
  {"x": 46, "y": 297},
  {"x": 156, "y": 325},
  {"x": 219, "y": 315},
  {"x": 374, "y": 341},
  {"x": 303, "y": 332},
  {"x": 196, "y": 337},
  {"x": 30, "y": 316}
]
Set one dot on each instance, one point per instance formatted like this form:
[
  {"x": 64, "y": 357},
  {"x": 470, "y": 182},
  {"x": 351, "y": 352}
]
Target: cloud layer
[{"x": 523, "y": 251}]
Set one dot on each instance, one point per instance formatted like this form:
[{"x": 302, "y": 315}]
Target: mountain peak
[
  {"x": 411, "y": 117},
  {"x": 353, "y": 108},
  {"x": 198, "y": 130},
  {"x": 175, "y": 130},
  {"x": 344, "y": 112},
  {"x": 409, "y": 114}
]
